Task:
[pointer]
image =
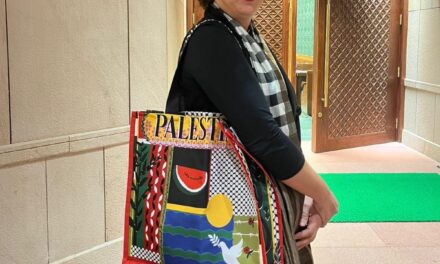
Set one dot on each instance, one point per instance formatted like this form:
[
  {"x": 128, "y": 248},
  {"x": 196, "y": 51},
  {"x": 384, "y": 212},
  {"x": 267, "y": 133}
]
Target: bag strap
[{"x": 175, "y": 103}]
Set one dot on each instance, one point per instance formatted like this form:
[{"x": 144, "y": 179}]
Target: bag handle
[{"x": 175, "y": 103}]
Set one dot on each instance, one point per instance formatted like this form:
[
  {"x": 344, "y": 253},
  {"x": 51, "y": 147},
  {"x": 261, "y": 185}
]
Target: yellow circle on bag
[{"x": 219, "y": 210}]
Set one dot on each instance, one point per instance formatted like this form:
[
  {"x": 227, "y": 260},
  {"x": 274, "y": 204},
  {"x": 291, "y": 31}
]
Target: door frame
[
  {"x": 189, "y": 14},
  {"x": 401, "y": 88},
  {"x": 291, "y": 49},
  {"x": 319, "y": 62},
  {"x": 319, "y": 40}
]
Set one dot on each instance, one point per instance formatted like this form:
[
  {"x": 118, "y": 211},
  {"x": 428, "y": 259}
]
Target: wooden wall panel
[{"x": 272, "y": 20}]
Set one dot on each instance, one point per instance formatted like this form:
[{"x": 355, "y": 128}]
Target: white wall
[{"x": 422, "y": 82}]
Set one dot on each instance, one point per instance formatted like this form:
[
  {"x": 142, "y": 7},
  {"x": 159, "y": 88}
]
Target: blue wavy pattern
[{"x": 192, "y": 244}]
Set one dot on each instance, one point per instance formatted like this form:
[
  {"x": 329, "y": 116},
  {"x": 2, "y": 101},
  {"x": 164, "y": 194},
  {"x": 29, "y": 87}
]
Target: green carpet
[{"x": 386, "y": 197}]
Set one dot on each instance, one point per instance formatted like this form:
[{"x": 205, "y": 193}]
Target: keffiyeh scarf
[{"x": 269, "y": 76}]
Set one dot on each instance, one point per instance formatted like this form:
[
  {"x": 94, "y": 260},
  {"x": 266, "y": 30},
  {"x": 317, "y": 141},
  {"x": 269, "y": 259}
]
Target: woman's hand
[
  {"x": 306, "y": 236},
  {"x": 308, "y": 182},
  {"x": 326, "y": 208}
]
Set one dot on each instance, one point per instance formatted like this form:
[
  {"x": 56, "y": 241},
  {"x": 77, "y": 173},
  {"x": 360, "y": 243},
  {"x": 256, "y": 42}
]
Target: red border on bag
[{"x": 125, "y": 258}]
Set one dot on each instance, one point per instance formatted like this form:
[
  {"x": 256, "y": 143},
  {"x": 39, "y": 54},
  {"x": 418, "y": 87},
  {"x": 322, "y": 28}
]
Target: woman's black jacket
[{"x": 215, "y": 75}]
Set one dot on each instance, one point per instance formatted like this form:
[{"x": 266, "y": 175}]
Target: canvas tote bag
[{"x": 191, "y": 197}]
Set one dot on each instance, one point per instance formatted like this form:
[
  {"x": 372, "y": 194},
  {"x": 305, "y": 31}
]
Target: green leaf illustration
[
  {"x": 133, "y": 205},
  {"x": 143, "y": 181},
  {"x": 131, "y": 222}
]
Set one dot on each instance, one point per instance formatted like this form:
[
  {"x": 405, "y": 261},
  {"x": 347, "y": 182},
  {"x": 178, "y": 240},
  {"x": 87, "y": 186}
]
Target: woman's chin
[
  {"x": 249, "y": 7},
  {"x": 248, "y": 10}
]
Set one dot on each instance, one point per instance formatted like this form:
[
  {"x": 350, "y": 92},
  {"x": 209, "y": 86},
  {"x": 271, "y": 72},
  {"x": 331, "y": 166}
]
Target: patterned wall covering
[
  {"x": 359, "y": 93},
  {"x": 305, "y": 26},
  {"x": 269, "y": 21}
]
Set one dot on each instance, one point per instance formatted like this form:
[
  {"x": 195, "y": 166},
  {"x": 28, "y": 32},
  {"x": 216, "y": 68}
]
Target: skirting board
[
  {"x": 106, "y": 253},
  {"x": 422, "y": 145}
]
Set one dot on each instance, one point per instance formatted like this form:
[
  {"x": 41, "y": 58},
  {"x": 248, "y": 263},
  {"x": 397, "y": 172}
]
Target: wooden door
[
  {"x": 194, "y": 13},
  {"x": 356, "y": 80},
  {"x": 275, "y": 22}
]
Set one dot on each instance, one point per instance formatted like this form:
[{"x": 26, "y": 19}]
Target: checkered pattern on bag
[
  {"x": 274, "y": 209},
  {"x": 204, "y": 114},
  {"x": 144, "y": 254},
  {"x": 242, "y": 157},
  {"x": 228, "y": 178}
]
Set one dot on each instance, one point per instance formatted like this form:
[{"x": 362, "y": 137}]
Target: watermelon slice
[{"x": 193, "y": 180}]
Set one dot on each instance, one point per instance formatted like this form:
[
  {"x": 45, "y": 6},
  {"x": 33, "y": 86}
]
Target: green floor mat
[{"x": 386, "y": 197}]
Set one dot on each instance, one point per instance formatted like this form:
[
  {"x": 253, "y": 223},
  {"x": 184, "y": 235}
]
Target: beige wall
[
  {"x": 67, "y": 66},
  {"x": 175, "y": 30},
  {"x": 422, "y": 82},
  {"x": 76, "y": 70},
  {"x": 148, "y": 54}
]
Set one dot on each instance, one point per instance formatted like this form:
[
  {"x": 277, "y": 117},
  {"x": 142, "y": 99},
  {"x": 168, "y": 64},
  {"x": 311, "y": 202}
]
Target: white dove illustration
[{"x": 230, "y": 255}]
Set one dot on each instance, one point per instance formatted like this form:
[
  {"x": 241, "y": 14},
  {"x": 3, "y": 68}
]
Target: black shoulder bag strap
[{"x": 175, "y": 102}]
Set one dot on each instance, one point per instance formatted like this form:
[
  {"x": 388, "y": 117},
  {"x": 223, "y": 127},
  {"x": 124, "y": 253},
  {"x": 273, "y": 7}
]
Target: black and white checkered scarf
[{"x": 269, "y": 76}]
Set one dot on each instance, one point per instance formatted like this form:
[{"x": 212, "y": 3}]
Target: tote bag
[{"x": 195, "y": 195}]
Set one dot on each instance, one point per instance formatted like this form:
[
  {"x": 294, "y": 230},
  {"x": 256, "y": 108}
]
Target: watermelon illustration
[{"x": 193, "y": 180}]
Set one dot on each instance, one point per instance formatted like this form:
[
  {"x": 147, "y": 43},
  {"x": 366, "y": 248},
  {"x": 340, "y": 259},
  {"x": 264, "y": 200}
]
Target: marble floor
[{"x": 381, "y": 243}]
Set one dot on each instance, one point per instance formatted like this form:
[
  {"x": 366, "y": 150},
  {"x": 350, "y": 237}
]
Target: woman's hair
[{"x": 205, "y": 3}]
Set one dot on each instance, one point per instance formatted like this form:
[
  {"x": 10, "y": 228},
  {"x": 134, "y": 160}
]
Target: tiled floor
[
  {"x": 390, "y": 157},
  {"x": 381, "y": 243}
]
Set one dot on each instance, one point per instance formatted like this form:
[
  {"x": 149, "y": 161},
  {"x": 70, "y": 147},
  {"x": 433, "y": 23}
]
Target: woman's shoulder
[
  {"x": 212, "y": 33},
  {"x": 209, "y": 25}
]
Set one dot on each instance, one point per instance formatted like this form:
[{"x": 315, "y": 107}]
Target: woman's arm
[
  {"x": 215, "y": 61},
  {"x": 308, "y": 182}
]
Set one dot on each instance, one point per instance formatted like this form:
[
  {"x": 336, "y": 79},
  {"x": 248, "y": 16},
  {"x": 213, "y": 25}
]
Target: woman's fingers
[
  {"x": 306, "y": 236},
  {"x": 303, "y": 243},
  {"x": 306, "y": 233}
]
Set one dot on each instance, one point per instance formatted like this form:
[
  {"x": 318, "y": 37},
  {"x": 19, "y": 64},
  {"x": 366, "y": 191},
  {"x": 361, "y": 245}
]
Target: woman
[{"x": 227, "y": 68}]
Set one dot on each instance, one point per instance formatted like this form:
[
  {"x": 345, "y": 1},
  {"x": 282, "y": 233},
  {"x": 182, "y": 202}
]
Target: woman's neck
[{"x": 244, "y": 22}]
